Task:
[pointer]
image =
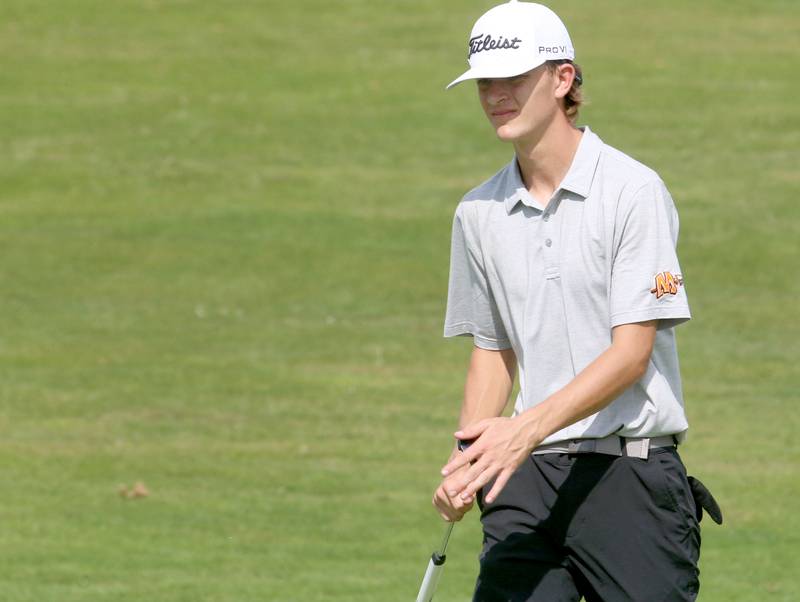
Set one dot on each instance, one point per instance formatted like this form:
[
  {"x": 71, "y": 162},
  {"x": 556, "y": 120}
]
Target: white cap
[{"x": 513, "y": 38}]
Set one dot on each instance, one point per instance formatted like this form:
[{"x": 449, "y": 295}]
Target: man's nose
[{"x": 496, "y": 92}]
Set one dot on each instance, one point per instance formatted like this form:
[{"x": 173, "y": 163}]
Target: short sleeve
[
  {"x": 646, "y": 278},
  {"x": 471, "y": 308}
]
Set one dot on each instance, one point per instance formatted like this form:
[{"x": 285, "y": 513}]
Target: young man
[{"x": 563, "y": 267}]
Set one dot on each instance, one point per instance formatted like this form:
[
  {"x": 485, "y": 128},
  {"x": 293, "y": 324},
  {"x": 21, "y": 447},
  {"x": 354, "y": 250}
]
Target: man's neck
[{"x": 544, "y": 163}]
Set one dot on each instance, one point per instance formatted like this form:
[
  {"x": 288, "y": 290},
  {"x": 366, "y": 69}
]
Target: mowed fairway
[{"x": 224, "y": 231}]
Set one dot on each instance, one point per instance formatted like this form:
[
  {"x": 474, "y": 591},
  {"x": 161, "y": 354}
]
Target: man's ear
[{"x": 564, "y": 75}]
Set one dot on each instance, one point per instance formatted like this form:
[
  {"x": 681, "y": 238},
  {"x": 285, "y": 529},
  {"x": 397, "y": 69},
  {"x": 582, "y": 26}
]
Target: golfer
[{"x": 563, "y": 270}]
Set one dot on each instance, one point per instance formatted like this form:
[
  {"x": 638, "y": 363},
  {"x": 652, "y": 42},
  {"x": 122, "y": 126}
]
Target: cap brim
[{"x": 509, "y": 71}]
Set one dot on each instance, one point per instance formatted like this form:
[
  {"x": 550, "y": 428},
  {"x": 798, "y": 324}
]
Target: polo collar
[{"x": 578, "y": 179}]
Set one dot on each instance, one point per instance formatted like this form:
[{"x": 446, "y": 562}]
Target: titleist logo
[{"x": 483, "y": 42}]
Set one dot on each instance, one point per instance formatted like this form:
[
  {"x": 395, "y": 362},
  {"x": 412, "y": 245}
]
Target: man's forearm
[
  {"x": 602, "y": 381},
  {"x": 488, "y": 385}
]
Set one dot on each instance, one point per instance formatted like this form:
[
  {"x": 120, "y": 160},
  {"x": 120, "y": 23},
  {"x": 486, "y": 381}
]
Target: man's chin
[{"x": 507, "y": 133}]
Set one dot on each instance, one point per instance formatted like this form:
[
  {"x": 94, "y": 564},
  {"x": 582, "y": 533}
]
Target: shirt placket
[{"x": 550, "y": 241}]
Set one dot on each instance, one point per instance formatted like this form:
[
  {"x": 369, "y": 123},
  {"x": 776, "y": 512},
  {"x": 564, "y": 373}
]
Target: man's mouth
[{"x": 503, "y": 113}]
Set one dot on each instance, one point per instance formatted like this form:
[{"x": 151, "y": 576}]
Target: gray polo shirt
[{"x": 552, "y": 282}]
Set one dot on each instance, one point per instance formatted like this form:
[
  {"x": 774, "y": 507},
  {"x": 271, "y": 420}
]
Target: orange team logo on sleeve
[{"x": 666, "y": 283}]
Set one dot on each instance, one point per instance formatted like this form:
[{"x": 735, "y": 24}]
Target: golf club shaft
[{"x": 448, "y": 530}]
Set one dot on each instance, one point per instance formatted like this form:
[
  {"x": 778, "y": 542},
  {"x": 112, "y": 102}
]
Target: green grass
[{"x": 225, "y": 235}]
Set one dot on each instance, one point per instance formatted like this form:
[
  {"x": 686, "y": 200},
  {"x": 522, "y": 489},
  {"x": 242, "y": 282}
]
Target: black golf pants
[{"x": 605, "y": 528}]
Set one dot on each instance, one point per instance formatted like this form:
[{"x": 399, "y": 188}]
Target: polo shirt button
[
  {"x": 548, "y": 242},
  {"x": 546, "y": 217}
]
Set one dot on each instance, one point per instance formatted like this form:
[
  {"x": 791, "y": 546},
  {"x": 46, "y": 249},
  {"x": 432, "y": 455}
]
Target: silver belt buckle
[{"x": 638, "y": 448}]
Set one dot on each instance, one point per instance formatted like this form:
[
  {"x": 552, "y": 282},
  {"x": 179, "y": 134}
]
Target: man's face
[{"x": 520, "y": 106}]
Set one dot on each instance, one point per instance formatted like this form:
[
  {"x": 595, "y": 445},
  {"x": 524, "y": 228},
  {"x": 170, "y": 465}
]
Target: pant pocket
[{"x": 676, "y": 484}]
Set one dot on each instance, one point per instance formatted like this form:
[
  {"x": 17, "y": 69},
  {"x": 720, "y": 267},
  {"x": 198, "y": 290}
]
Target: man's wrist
[{"x": 531, "y": 428}]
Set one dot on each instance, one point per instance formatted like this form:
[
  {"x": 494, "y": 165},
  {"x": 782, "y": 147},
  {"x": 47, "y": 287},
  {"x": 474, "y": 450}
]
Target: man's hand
[
  {"x": 452, "y": 508},
  {"x": 500, "y": 446}
]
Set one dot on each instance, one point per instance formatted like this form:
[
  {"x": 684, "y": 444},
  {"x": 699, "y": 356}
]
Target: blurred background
[{"x": 224, "y": 230}]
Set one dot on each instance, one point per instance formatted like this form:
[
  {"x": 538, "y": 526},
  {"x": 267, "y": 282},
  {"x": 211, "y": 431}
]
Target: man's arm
[
  {"x": 489, "y": 381},
  {"x": 502, "y": 444}
]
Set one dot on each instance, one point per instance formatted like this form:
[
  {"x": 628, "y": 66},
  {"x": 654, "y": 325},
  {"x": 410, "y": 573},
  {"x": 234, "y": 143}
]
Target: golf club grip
[{"x": 430, "y": 580}]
